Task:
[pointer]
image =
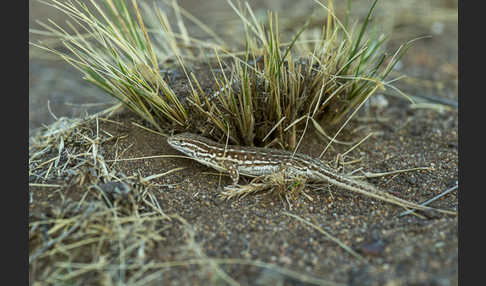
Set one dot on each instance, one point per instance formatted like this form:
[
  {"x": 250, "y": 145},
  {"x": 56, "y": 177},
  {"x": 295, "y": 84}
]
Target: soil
[{"x": 397, "y": 250}]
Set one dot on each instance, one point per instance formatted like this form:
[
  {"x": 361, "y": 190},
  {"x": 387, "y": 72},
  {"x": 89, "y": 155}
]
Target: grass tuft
[
  {"x": 266, "y": 95},
  {"x": 278, "y": 87}
]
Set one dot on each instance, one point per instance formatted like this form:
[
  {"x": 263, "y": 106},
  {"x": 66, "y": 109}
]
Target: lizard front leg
[{"x": 233, "y": 172}]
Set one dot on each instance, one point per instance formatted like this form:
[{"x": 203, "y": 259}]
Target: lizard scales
[{"x": 257, "y": 161}]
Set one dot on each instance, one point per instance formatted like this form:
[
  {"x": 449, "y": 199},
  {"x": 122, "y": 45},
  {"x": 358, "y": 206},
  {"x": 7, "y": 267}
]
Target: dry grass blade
[
  {"x": 432, "y": 199},
  {"x": 196, "y": 248},
  {"x": 382, "y": 174},
  {"x": 340, "y": 243},
  {"x": 155, "y": 176},
  {"x": 44, "y": 185}
]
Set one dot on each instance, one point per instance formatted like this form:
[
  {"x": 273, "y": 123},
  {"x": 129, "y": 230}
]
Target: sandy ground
[{"x": 397, "y": 250}]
